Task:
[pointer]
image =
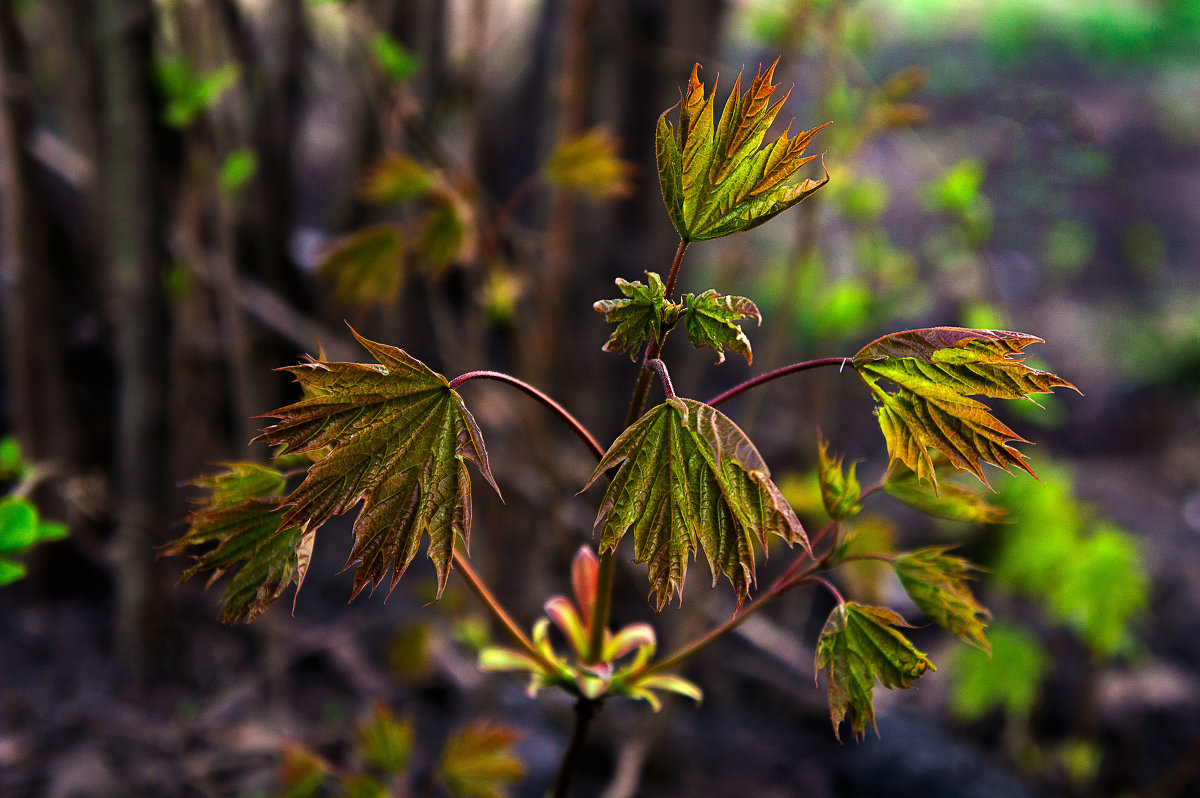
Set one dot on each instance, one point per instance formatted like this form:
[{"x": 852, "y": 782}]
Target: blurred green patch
[{"x": 1008, "y": 680}]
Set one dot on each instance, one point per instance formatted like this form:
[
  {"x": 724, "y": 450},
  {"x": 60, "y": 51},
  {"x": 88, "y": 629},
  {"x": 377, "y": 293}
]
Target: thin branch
[
  {"x": 826, "y": 584},
  {"x": 463, "y": 567},
  {"x": 554, "y": 406},
  {"x": 776, "y": 374}
]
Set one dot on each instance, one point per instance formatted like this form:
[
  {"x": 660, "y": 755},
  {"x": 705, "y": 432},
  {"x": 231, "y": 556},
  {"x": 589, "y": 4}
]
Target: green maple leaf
[
  {"x": 937, "y": 584},
  {"x": 857, "y": 647},
  {"x": 242, "y": 524},
  {"x": 709, "y": 320},
  {"x": 840, "y": 491},
  {"x": 480, "y": 761},
  {"x": 936, "y": 370},
  {"x": 689, "y": 478},
  {"x": 951, "y": 501},
  {"x": 715, "y": 180},
  {"x": 639, "y": 317},
  {"x": 398, "y": 439},
  {"x": 385, "y": 741}
]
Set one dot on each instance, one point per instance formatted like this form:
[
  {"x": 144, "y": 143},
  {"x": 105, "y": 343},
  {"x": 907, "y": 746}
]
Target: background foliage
[{"x": 199, "y": 192}]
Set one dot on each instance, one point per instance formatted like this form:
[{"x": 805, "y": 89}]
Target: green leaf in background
[
  {"x": 1102, "y": 588},
  {"x": 394, "y": 179},
  {"x": 10, "y": 571},
  {"x": 935, "y": 370},
  {"x": 640, "y": 316},
  {"x": 588, "y": 164},
  {"x": 398, "y": 439},
  {"x": 394, "y": 60},
  {"x": 1008, "y": 678},
  {"x": 715, "y": 180},
  {"x": 188, "y": 93},
  {"x": 446, "y": 234},
  {"x": 386, "y": 742},
  {"x": 937, "y": 584},
  {"x": 1090, "y": 574},
  {"x": 952, "y": 501},
  {"x": 710, "y": 322},
  {"x": 12, "y": 464},
  {"x": 840, "y": 490},
  {"x": 238, "y": 169},
  {"x": 480, "y": 761},
  {"x": 367, "y": 266},
  {"x": 858, "y": 646},
  {"x": 361, "y": 785},
  {"x": 18, "y": 525},
  {"x": 689, "y": 479},
  {"x": 242, "y": 524}
]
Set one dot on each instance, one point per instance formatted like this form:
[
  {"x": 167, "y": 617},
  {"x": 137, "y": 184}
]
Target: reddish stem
[
  {"x": 525, "y": 387},
  {"x": 776, "y": 374}
]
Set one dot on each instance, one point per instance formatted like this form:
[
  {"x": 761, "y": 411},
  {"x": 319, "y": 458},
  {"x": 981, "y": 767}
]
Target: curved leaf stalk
[
  {"x": 824, "y": 583},
  {"x": 580, "y": 431},
  {"x": 774, "y": 375},
  {"x": 665, "y": 376},
  {"x": 463, "y": 567},
  {"x": 608, "y": 561}
]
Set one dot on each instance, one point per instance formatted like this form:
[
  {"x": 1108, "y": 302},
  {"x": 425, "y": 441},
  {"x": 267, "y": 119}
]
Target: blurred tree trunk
[
  {"x": 138, "y": 316},
  {"x": 39, "y": 387}
]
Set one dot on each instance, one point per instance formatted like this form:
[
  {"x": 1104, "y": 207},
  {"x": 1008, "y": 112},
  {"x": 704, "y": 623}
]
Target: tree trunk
[{"x": 138, "y": 316}]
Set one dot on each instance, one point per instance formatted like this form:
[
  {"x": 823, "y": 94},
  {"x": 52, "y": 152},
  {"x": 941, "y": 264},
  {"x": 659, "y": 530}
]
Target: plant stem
[
  {"x": 585, "y": 711},
  {"x": 663, "y": 375},
  {"x": 608, "y": 563},
  {"x": 776, "y": 374},
  {"x": 712, "y": 636},
  {"x": 463, "y": 567},
  {"x": 525, "y": 387},
  {"x": 642, "y": 388}
]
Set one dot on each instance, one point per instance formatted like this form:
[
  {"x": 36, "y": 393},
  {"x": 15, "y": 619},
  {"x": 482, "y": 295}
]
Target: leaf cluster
[{"x": 646, "y": 315}]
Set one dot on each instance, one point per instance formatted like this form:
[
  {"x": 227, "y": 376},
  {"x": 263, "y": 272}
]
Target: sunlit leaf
[
  {"x": 935, "y": 371},
  {"x": 394, "y": 179},
  {"x": 690, "y": 479},
  {"x": 937, "y": 584},
  {"x": 710, "y": 322},
  {"x": 951, "y": 500},
  {"x": 840, "y": 490},
  {"x": 385, "y": 741},
  {"x": 857, "y": 647},
  {"x": 366, "y": 266},
  {"x": 10, "y": 571},
  {"x": 588, "y": 164},
  {"x": 398, "y": 438},
  {"x": 480, "y": 761},
  {"x": 715, "y": 179},
  {"x": 640, "y": 316},
  {"x": 240, "y": 525}
]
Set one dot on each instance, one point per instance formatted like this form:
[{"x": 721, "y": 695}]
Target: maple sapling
[{"x": 682, "y": 478}]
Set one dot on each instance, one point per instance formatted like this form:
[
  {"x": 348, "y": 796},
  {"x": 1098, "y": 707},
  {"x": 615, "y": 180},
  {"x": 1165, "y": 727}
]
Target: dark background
[{"x": 1040, "y": 171}]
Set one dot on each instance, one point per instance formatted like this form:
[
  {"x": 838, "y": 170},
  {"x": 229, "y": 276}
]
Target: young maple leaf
[
  {"x": 858, "y": 645},
  {"x": 640, "y": 316},
  {"x": 709, "y": 320},
  {"x": 937, "y": 584},
  {"x": 936, "y": 370},
  {"x": 398, "y": 439},
  {"x": 689, "y": 478},
  {"x": 243, "y": 521},
  {"x": 715, "y": 180},
  {"x": 840, "y": 491}
]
